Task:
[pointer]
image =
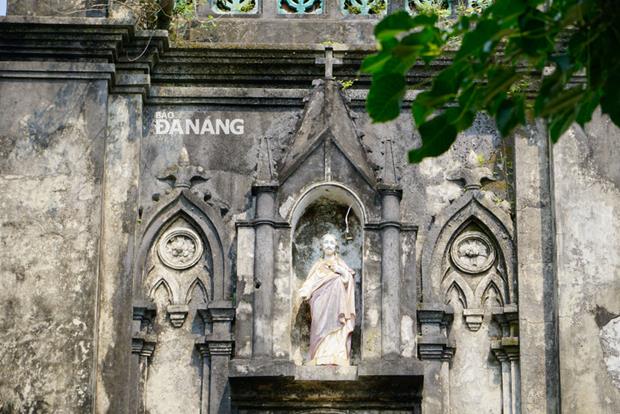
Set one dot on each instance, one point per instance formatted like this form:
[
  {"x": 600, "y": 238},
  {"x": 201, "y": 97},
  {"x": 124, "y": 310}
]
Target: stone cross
[{"x": 329, "y": 61}]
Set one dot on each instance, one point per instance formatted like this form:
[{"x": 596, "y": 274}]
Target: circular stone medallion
[
  {"x": 180, "y": 248},
  {"x": 472, "y": 252}
]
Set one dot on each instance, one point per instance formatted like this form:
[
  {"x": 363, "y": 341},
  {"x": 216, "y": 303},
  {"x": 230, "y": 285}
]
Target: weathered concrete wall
[
  {"x": 537, "y": 289},
  {"x": 52, "y": 140},
  {"x": 587, "y": 211},
  {"x": 71, "y": 190},
  {"x": 69, "y": 8},
  {"x": 120, "y": 215}
]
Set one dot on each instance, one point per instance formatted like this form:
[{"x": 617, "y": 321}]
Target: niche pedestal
[{"x": 282, "y": 387}]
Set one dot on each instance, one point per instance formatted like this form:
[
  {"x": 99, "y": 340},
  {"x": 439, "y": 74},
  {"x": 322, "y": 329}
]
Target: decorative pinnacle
[
  {"x": 472, "y": 173},
  {"x": 389, "y": 168},
  {"x": 183, "y": 173},
  {"x": 265, "y": 171}
]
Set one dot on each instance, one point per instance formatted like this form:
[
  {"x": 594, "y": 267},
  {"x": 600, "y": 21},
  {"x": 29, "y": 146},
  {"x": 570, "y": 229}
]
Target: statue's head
[{"x": 329, "y": 245}]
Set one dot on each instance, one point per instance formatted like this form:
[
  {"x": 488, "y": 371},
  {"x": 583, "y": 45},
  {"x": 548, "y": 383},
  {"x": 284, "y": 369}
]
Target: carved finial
[
  {"x": 472, "y": 173},
  {"x": 183, "y": 158},
  {"x": 389, "y": 167},
  {"x": 265, "y": 171},
  {"x": 183, "y": 173}
]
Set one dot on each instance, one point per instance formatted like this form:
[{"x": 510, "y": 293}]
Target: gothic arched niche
[
  {"x": 181, "y": 262},
  {"x": 475, "y": 272},
  {"x": 179, "y": 281},
  {"x": 324, "y": 215}
]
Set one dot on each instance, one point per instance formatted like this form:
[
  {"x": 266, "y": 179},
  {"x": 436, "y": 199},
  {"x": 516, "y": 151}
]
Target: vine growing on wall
[{"x": 176, "y": 16}]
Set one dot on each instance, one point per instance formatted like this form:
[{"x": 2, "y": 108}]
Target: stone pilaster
[
  {"x": 537, "y": 299},
  {"x": 119, "y": 211},
  {"x": 390, "y": 270},
  {"x": 506, "y": 350},
  {"x": 390, "y": 227},
  {"x": 263, "y": 268},
  {"x": 435, "y": 347},
  {"x": 216, "y": 349},
  {"x": 142, "y": 348}
]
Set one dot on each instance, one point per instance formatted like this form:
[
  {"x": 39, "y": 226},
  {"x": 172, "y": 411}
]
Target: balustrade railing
[{"x": 345, "y": 8}]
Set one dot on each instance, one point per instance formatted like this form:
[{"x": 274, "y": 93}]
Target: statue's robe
[{"x": 332, "y": 305}]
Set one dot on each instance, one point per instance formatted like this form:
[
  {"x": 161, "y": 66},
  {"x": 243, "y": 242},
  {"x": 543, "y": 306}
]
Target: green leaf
[
  {"x": 500, "y": 80},
  {"x": 460, "y": 117},
  {"x": 586, "y": 107},
  {"x": 385, "y": 96},
  {"x": 393, "y": 25},
  {"x": 537, "y": 39},
  {"x": 507, "y": 9},
  {"x": 561, "y": 101},
  {"x": 448, "y": 81},
  {"x": 421, "y": 38},
  {"x": 375, "y": 62},
  {"x": 426, "y": 103},
  {"x": 468, "y": 98},
  {"x": 511, "y": 112},
  {"x": 420, "y": 109},
  {"x": 552, "y": 85},
  {"x": 437, "y": 136},
  {"x": 559, "y": 123},
  {"x": 610, "y": 101},
  {"x": 474, "y": 41},
  {"x": 425, "y": 20}
]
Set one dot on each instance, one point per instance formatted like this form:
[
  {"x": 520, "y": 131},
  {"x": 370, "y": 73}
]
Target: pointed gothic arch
[
  {"x": 455, "y": 280},
  {"x": 196, "y": 284},
  {"x": 207, "y": 223},
  {"x": 161, "y": 282},
  {"x": 470, "y": 209}
]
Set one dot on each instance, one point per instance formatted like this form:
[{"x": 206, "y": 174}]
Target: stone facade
[{"x": 161, "y": 207}]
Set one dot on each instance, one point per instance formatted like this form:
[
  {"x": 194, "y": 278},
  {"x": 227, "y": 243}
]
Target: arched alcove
[
  {"x": 475, "y": 265},
  {"x": 180, "y": 266},
  {"x": 469, "y": 213},
  {"x": 324, "y": 209},
  {"x": 204, "y": 221},
  {"x": 468, "y": 263},
  {"x": 181, "y": 261},
  {"x": 179, "y": 281}
]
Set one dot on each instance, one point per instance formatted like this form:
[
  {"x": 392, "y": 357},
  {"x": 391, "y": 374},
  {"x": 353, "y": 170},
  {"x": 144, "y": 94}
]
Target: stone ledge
[
  {"x": 403, "y": 367},
  {"x": 325, "y": 373},
  {"x": 261, "y": 368},
  {"x": 266, "y": 385}
]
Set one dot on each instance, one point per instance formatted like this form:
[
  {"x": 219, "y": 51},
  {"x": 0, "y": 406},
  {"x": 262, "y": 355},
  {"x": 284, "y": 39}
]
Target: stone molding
[
  {"x": 143, "y": 341},
  {"x": 219, "y": 341},
  {"x": 143, "y": 61},
  {"x": 433, "y": 342}
]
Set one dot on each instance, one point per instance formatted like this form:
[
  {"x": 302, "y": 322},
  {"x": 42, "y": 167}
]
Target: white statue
[{"x": 330, "y": 290}]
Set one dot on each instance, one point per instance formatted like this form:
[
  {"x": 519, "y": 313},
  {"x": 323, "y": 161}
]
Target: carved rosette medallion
[
  {"x": 180, "y": 248},
  {"x": 472, "y": 252}
]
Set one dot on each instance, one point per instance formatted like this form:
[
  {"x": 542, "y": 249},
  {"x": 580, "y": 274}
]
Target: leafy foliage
[{"x": 515, "y": 60}]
